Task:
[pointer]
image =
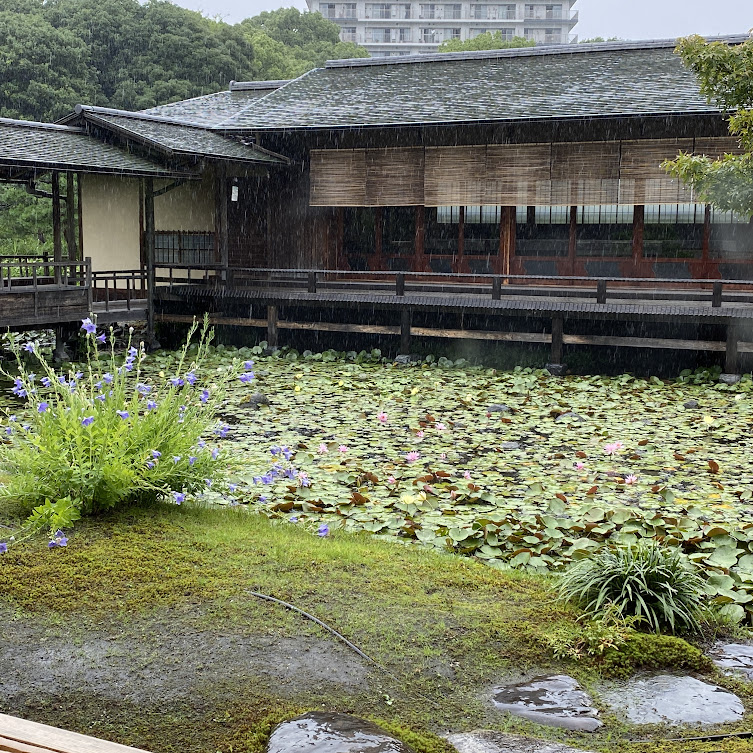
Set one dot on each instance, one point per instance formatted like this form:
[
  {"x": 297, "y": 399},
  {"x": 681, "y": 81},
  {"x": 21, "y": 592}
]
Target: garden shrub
[
  {"x": 94, "y": 440},
  {"x": 656, "y": 584}
]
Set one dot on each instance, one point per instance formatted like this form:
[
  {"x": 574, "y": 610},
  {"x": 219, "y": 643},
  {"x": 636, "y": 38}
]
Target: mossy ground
[{"x": 143, "y": 631}]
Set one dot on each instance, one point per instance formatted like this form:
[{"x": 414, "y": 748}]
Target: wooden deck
[{"x": 21, "y": 736}]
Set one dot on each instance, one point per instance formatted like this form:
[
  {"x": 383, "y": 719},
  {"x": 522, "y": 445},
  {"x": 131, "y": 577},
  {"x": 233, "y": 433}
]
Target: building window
[
  {"x": 478, "y": 11},
  {"x": 731, "y": 242},
  {"x": 405, "y": 11},
  {"x": 399, "y": 235},
  {"x": 183, "y": 248},
  {"x": 380, "y": 36},
  {"x": 405, "y": 35},
  {"x": 349, "y": 10},
  {"x": 348, "y": 34},
  {"x": 452, "y": 11},
  {"x": 452, "y": 33},
  {"x": 552, "y": 36},
  {"x": 507, "y": 11},
  {"x": 542, "y": 231},
  {"x": 359, "y": 236},
  {"x": 428, "y": 11},
  {"x": 327, "y": 10},
  {"x": 553, "y": 11},
  {"x": 430, "y": 36},
  {"x": 378, "y": 10}
]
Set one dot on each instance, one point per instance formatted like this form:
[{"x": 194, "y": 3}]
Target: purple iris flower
[
  {"x": 78, "y": 375},
  {"x": 293, "y": 518},
  {"x": 8, "y": 430},
  {"x": 179, "y": 497},
  {"x": 287, "y": 452},
  {"x": 88, "y": 326},
  {"x": 191, "y": 378},
  {"x": 3, "y": 547},
  {"x": 232, "y": 487},
  {"x": 156, "y": 454},
  {"x": 201, "y": 444},
  {"x": 150, "y": 464},
  {"x": 101, "y": 338},
  {"x": 123, "y": 414},
  {"x": 248, "y": 365},
  {"x": 101, "y": 398},
  {"x": 43, "y": 407},
  {"x": 222, "y": 430},
  {"x": 107, "y": 378},
  {"x": 143, "y": 389},
  {"x": 215, "y": 453},
  {"x": 132, "y": 352},
  {"x": 29, "y": 347},
  {"x": 275, "y": 450},
  {"x": 151, "y": 405},
  {"x": 46, "y": 382},
  {"x": 246, "y": 377},
  {"x": 177, "y": 382},
  {"x": 208, "y": 481},
  {"x": 176, "y": 459},
  {"x": 323, "y": 530},
  {"x": 191, "y": 459},
  {"x": 61, "y": 379},
  {"x": 204, "y": 396},
  {"x": 87, "y": 421}
]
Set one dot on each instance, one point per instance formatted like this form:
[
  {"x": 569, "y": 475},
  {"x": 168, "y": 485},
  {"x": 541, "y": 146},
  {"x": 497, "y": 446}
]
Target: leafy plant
[
  {"x": 97, "y": 440},
  {"x": 656, "y": 584}
]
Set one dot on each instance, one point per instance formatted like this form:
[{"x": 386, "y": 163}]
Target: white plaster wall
[{"x": 188, "y": 208}]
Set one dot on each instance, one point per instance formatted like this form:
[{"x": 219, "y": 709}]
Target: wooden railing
[{"x": 119, "y": 285}]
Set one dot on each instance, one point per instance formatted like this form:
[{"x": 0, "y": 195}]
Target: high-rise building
[{"x": 409, "y": 28}]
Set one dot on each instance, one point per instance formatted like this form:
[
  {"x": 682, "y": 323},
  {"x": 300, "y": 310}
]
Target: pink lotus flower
[
  {"x": 323, "y": 449},
  {"x": 631, "y": 479},
  {"x": 613, "y": 448},
  {"x": 391, "y": 480},
  {"x": 412, "y": 456},
  {"x": 420, "y": 434},
  {"x": 467, "y": 475},
  {"x": 443, "y": 456},
  {"x": 382, "y": 416},
  {"x": 580, "y": 466},
  {"x": 343, "y": 448},
  {"x": 453, "y": 494},
  {"x": 440, "y": 427}
]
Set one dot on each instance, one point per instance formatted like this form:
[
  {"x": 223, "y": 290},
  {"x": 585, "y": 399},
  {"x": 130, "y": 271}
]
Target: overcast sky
[{"x": 628, "y": 19}]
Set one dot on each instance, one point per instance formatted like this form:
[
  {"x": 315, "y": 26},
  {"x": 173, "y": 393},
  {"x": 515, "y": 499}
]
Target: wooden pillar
[
  {"x": 149, "y": 253},
  {"x": 378, "y": 262},
  {"x": 557, "y": 336},
  {"x": 70, "y": 217},
  {"x": 706, "y": 232},
  {"x": 572, "y": 245},
  {"x": 639, "y": 231},
  {"x": 340, "y": 261},
  {"x": 272, "y": 328},
  {"x": 507, "y": 228},
  {"x": 730, "y": 353},
  {"x": 405, "y": 324},
  {"x": 223, "y": 247},
  {"x": 419, "y": 260},
  {"x": 459, "y": 262},
  {"x": 57, "y": 241},
  {"x": 80, "y": 217}
]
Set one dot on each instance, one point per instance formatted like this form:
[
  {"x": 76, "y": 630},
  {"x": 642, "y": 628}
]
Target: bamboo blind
[
  {"x": 574, "y": 174},
  {"x": 394, "y": 177}
]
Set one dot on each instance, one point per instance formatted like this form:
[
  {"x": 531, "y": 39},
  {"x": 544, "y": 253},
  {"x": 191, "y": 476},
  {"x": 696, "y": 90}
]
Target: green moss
[{"x": 652, "y": 651}]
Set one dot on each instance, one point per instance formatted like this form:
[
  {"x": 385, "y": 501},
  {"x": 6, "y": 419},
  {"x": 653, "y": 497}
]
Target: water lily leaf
[
  {"x": 732, "y": 612},
  {"x": 724, "y": 556}
]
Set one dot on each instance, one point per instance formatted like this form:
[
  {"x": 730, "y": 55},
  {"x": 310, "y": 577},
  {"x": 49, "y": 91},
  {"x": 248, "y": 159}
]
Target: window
[
  {"x": 348, "y": 34},
  {"x": 604, "y": 232},
  {"x": 479, "y": 11},
  {"x": 542, "y": 231},
  {"x": 430, "y": 36},
  {"x": 327, "y": 10},
  {"x": 359, "y": 235},
  {"x": 378, "y": 10},
  {"x": 399, "y": 235},
  {"x": 380, "y": 35},
  {"x": 481, "y": 230},
  {"x": 731, "y": 240},
  {"x": 507, "y": 11},
  {"x": 452, "y": 11},
  {"x": 348, "y": 10},
  {"x": 552, "y": 36},
  {"x": 428, "y": 11},
  {"x": 553, "y": 11},
  {"x": 531, "y": 11},
  {"x": 452, "y": 33},
  {"x": 183, "y": 248},
  {"x": 441, "y": 229},
  {"x": 673, "y": 231},
  {"x": 404, "y": 11},
  {"x": 405, "y": 35}
]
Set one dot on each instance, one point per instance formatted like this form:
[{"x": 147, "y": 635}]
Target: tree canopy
[
  {"x": 725, "y": 74},
  {"x": 486, "y": 41}
]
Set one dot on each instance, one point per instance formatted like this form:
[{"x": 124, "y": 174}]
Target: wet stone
[
  {"x": 510, "y": 446},
  {"x": 729, "y": 378},
  {"x": 324, "y": 732},
  {"x": 734, "y": 658},
  {"x": 555, "y": 701},
  {"x": 407, "y": 358},
  {"x": 257, "y": 400},
  {"x": 556, "y": 369},
  {"x": 499, "y": 408},
  {"x": 690, "y": 404},
  {"x": 491, "y": 741},
  {"x": 668, "y": 699}
]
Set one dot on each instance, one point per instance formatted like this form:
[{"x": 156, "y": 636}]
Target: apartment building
[{"x": 410, "y": 28}]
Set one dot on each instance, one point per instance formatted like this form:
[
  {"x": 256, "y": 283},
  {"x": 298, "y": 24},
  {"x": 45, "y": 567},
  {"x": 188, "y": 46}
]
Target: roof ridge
[
  {"x": 40, "y": 126},
  {"x": 514, "y": 52},
  {"x": 221, "y": 123},
  {"x": 240, "y": 86},
  {"x": 82, "y": 109}
]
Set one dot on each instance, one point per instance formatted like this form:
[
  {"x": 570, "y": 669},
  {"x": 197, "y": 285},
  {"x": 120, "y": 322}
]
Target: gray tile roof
[
  {"x": 211, "y": 109},
  {"x": 46, "y": 146},
  {"x": 590, "y": 80},
  {"x": 174, "y": 139}
]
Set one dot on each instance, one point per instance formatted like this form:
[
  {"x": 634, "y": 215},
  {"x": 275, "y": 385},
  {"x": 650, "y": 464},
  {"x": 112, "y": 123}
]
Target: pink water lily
[
  {"x": 467, "y": 475},
  {"x": 343, "y": 448},
  {"x": 391, "y": 480},
  {"x": 580, "y": 466},
  {"x": 613, "y": 448},
  {"x": 411, "y": 457},
  {"x": 323, "y": 449},
  {"x": 420, "y": 434},
  {"x": 631, "y": 479},
  {"x": 440, "y": 427},
  {"x": 382, "y": 416}
]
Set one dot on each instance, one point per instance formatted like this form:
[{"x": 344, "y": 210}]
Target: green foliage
[
  {"x": 593, "y": 40},
  {"x": 656, "y": 584},
  {"x": 725, "y": 74},
  {"x": 25, "y": 222},
  {"x": 653, "y": 651},
  {"x": 105, "y": 438},
  {"x": 487, "y": 41}
]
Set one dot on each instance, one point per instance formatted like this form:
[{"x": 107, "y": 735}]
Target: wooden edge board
[{"x": 53, "y": 739}]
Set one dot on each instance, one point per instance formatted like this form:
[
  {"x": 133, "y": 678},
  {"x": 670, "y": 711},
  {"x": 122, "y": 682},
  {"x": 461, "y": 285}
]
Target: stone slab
[
  {"x": 490, "y": 741},
  {"x": 734, "y": 658}
]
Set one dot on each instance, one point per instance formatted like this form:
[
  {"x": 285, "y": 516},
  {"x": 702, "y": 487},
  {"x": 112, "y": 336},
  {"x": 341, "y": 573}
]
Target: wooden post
[
  {"x": 716, "y": 294},
  {"x": 223, "y": 245},
  {"x": 601, "y": 291},
  {"x": 70, "y": 218},
  {"x": 405, "y": 323},
  {"x": 459, "y": 263},
  {"x": 572, "y": 242},
  {"x": 151, "y": 337},
  {"x": 312, "y": 282},
  {"x": 89, "y": 277},
  {"x": 496, "y": 288},
  {"x": 730, "y": 353},
  {"x": 80, "y": 244},
  {"x": 557, "y": 329},
  {"x": 57, "y": 241},
  {"x": 419, "y": 260},
  {"x": 399, "y": 284},
  {"x": 639, "y": 231},
  {"x": 272, "y": 329}
]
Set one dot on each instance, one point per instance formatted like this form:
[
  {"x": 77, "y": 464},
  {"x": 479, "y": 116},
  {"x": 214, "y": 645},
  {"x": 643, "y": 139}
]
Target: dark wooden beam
[
  {"x": 149, "y": 251},
  {"x": 70, "y": 217},
  {"x": 57, "y": 241},
  {"x": 405, "y": 333},
  {"x": 730, "y": 351},
  {"x": 272, "y": 326},
  {"x": 557, "y": 332},
  {"x": 221, "y": 219}
]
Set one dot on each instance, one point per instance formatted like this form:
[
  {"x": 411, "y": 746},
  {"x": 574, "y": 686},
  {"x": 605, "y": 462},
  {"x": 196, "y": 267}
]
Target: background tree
[
  {"x": 486, "y": 41},
  {"x": 725, "y": 74}
]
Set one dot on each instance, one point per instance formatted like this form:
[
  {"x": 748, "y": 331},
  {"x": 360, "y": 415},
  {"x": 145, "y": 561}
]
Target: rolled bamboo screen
[{"x": 562, "y": 174}]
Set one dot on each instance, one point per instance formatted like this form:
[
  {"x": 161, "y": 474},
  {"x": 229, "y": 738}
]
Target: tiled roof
[
  {"x": 47, "y": 146},
  {"x": 211, "y": 109},
  {"x": 174, "y": 139},
  {"x": 563, "y": 81}
]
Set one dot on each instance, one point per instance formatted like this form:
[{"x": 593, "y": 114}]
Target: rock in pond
[
  {"x": 510, "y": 446},
  {"x": 570, "y": 418},
  {"x": 729, "y": 379},
  {"x": 734, "y": 658},
  {"x": 257, "y": 400},
  {"x": 491, "y": 741},
  {"x": 556, "y": 701},
  {"x": 690, "y": 404},
  {"x": 324, "y": 732},
  {"x": 499, "y": 408},
  {"x": 668, "y": 699}
]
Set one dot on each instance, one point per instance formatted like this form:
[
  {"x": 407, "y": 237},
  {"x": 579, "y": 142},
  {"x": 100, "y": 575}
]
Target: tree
[
  {"x": 486, "y": 41},
  {"x": 725, "y": 74}
]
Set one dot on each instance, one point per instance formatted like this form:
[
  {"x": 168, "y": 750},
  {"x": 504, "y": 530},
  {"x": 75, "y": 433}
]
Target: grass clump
[
  {"x": 654, "y": 584},
  {"x": 108, "y": 436}
]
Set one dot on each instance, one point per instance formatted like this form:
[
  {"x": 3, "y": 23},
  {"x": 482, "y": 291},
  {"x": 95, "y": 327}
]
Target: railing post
[
  {"x": 601, "y": 291},
  {"x": 716, "y": 295},
  {"x": 107, "y": 294},
  {"x": 89, "y": 289},
  {"x": 496, "y": 288},
  {"x": 272, "y": 326},
  {"x": 405, "y": 336},
  {"x": 399, "y": 284},
  {"x": 312, "y": 282},
  {"x": 730, "y": 351}
]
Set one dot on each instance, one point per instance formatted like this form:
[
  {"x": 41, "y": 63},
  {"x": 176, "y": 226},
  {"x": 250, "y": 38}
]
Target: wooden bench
[{"x": 21, "y": 736}]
